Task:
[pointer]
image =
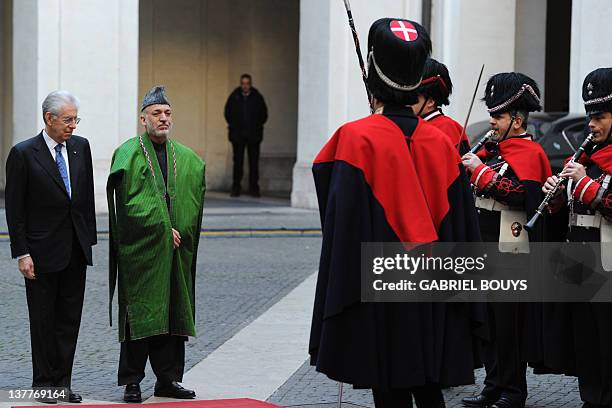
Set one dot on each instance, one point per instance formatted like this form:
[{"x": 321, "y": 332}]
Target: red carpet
[{"x": 221, "y": 403}]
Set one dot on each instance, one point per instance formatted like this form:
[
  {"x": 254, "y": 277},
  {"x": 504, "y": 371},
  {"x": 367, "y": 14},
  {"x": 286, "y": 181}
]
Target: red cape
[
  {"x": 449, "y": 127},
  {"x": 410, "y": 185},
  {"x": 526, "y": 158},
  {"x": 603, "y": 159}
]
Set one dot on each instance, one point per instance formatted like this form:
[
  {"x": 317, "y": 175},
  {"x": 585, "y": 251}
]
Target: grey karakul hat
[{"x": 155, "y": 96}]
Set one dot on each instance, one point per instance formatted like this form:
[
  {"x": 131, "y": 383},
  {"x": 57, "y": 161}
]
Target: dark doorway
[{"x": 558, "y": 46}]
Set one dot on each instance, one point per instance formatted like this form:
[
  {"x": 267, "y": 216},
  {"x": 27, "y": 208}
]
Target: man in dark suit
[
  {"x": 52, "y": 225},
  {"x": 246, "y": 113}
]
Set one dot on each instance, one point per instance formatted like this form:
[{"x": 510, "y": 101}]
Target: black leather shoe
[
  {"x": 477, "y": 401},
  {"x": 505, "y": 402},
  {"x": 74, "y": 398},
  {"x": 46, "y": 400},
  {"x": 235, "y": 192},
  {"x": 132, "y": 393},
  {"x": 255, "y": 193},
  {"x": 173, "y": 390}
]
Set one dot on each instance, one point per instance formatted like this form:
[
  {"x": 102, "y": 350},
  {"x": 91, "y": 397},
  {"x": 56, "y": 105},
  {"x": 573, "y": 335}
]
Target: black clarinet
[
  {"x": 549, "y": 196},
  {"x": 482, "y": 141}
]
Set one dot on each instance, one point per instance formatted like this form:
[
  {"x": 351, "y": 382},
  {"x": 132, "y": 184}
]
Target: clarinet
[
  {"x": 482, "y": 141},
  {"x": 539, "y": 212}
]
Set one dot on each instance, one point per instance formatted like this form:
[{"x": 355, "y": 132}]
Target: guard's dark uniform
[
  {"x": 437, "y": 86},
  {"x": 588, "y": 352},
  {"x": 372, "y": 180},
  {"x": 508, "y": 190}
]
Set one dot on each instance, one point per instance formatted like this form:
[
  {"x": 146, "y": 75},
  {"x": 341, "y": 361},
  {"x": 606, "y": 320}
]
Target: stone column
[
  {"x": 467, "y": 34},
  {"x": 591, "y": 33},
  {"x": 331, "y": 90},
  {"x": 90, "y": 49}
]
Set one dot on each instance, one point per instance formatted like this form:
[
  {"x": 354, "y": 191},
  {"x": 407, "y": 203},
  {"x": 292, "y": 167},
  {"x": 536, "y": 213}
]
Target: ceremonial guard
[
  {"x": 433, "y": 93},
  {"x": 589, "y": 200},
  {"x": 375, "y": 183},
  {"x": 507, "y": 177}
]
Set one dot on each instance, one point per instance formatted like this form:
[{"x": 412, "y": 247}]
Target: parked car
[{"x": 559, "y": 133}]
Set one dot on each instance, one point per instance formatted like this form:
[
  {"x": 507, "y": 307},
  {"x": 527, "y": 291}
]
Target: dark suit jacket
[
  {"x": 42, "y": 219},
  {"x": 245, "y": 118}
]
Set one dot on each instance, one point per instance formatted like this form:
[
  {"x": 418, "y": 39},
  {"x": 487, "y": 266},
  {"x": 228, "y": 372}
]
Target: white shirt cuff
[{"x": 20, "y": 257}]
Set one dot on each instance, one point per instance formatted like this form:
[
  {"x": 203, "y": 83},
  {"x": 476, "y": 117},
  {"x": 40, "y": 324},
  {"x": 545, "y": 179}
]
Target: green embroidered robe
[{"x": 155, "y": 282}]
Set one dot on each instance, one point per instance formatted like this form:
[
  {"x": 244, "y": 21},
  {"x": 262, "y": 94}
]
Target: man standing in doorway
[{"x": 246, "y": 113}]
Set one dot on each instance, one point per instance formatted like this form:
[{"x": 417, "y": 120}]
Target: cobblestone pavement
[
  {"x": 239, "y": 278},
  {"x": 308, "y": 387}
]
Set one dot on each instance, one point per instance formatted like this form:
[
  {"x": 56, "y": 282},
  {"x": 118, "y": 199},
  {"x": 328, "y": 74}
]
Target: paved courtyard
[{"x": 256, "y": 266}]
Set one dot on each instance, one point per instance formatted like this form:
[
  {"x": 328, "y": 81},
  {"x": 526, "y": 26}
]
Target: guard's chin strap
[
  {"x": 423, "y": 107},
  {"x": 512, "y": 119}
]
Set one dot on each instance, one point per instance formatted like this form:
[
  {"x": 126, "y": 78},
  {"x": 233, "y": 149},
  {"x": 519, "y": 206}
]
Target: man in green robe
[{"x": 155, "y": 194}]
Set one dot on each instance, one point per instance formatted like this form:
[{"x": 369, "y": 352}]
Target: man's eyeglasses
[{"x": 70, "y": 121}]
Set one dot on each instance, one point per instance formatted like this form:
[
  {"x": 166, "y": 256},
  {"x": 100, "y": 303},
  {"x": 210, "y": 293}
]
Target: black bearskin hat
[
  {"x": 597, "y": 91},
  {"x": 397, "y": 50},
  {"x": 512, "y": 91},
  {"x": 436, "y": 83}
]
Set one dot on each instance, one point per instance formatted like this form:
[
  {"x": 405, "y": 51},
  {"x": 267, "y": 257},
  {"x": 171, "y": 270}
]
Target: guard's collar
[{"x": 398, "y": 110}]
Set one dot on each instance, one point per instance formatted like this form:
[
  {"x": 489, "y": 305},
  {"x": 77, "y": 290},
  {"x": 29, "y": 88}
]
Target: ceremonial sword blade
[
  {"x": 364, "y": 76},
  {"x": 467, "y": 119}
]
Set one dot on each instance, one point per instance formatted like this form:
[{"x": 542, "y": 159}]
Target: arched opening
[{"x": 199, "y": 49}]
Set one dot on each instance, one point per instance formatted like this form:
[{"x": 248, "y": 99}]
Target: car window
[
  {"x": 533, "y": 130},
  {"x": 477, "y": 130},
  {"x": 544, "y": 127},
  {"x": 575, "y": 135},
  {"x": 561, "y": 142}
]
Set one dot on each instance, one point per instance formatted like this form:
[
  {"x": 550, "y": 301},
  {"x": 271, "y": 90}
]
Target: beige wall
[
  {"x": 6, "y": 139},
  {"x": 198, "y": 49}
]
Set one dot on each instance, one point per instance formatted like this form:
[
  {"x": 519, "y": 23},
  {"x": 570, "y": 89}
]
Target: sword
[
  {"x": 364, "y": 75},
  {"x": 471, "y": 105}
]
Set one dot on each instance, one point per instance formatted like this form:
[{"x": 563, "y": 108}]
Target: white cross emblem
[{"x": 404, "y": 30}]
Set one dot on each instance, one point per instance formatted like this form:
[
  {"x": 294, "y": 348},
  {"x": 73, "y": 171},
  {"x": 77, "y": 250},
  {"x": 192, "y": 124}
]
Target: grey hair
[
  {"x": 56, "y": 100},
  {"x": 524, "y": 115}
]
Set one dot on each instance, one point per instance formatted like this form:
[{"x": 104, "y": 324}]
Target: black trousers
[
  {"x": 504, "y": 364},
  {"x": 427, "y": 396},
  {"x": 253, "y": 153},
  {"x": 593, "y": 337},
  {"x": 165, "y": 352},
  {"x": 55, "y": 304}
]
